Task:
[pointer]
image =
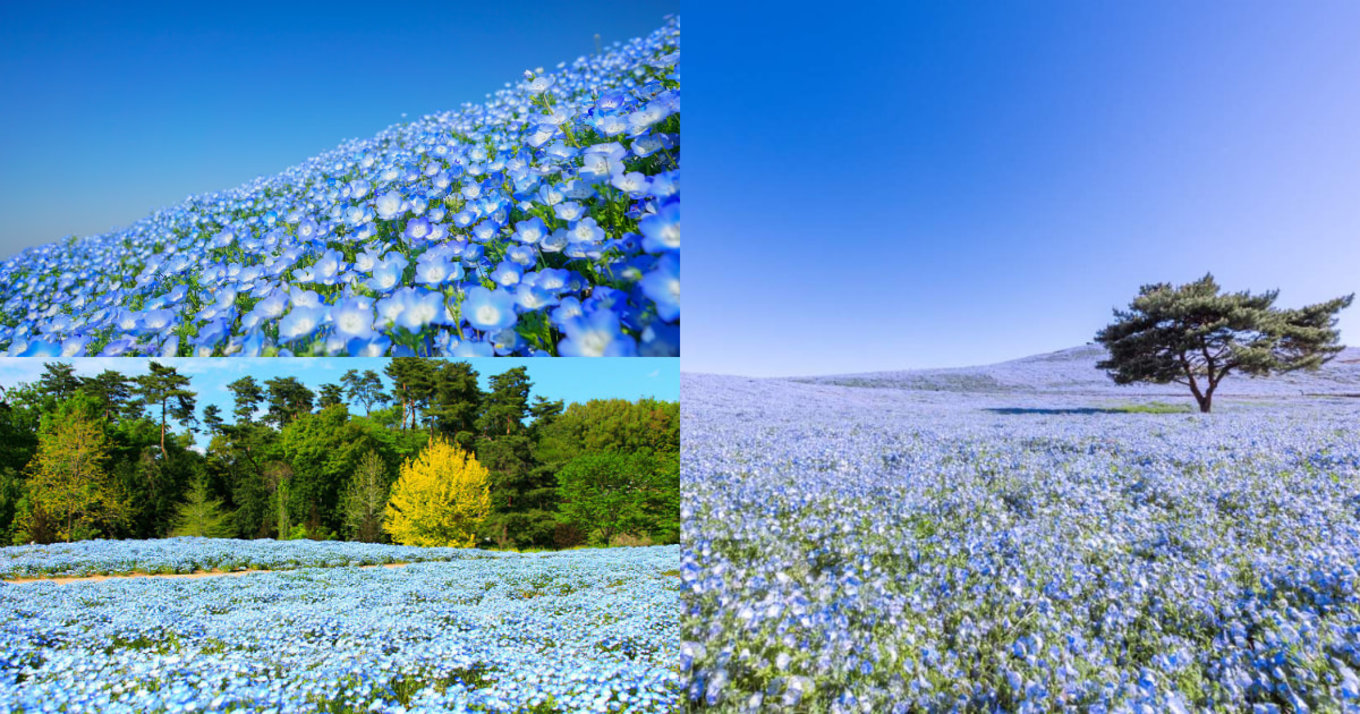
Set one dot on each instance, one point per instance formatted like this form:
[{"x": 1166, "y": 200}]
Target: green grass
[{"x": 1153, "y": 408}]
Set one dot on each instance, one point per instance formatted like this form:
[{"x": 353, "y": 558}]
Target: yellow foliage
[{"x": 439, "y": 499}]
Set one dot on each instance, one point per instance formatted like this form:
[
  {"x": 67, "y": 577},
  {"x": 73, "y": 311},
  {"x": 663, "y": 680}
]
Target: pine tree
[
  {"x": 440, "y": 498},
  {"x": 200, "y": 515},
  {"x": 366, "y": 498},
  {"x": 1196, "y": 335}
]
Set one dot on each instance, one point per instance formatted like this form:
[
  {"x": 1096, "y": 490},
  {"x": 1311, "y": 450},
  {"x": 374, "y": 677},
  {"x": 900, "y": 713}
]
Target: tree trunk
[{"x": 1206, "y": 402}]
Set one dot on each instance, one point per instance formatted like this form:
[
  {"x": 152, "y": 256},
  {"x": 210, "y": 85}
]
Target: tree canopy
[{"x": 1196, "y": 335}]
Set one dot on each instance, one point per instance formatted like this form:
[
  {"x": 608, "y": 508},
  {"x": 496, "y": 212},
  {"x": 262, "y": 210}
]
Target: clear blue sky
[
  {"x": 569, "y": 379},
  {"x": 937, "y": 184},
  {"x": 115, "y": 109}
]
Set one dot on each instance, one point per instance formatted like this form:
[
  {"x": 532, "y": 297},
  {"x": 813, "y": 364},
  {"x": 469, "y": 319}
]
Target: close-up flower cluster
[
  {"x": 578, "y": 631},
  {"x": 545, "y": 221},
  {"x": 871, "y": 549}
]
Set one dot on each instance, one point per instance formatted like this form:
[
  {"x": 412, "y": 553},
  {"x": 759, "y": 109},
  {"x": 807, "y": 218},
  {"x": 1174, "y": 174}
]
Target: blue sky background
[
  {"x": 113, "y": 110},
  {"x": 937, "y": 184},
  {"x": 566, "y": 378}
]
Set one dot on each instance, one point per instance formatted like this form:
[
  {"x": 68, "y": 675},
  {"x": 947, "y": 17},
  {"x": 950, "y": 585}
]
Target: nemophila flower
[
  {"x": 506, "y": 274},
  {"x": 523, "y": 255},
  {"x": 633, "y": 183},
  {"x": 414, "y": 308},
  {"x": 596, "y": 334},
  {"x": 437, "y": 268},
  {"x": 585, "y": 230},
  {"x": 531, "y": 298},
  {"x": 467, "y": 349},
  {"x": 389, "y": 205},
  {"x": 485, "y": 173},
  {"x": 352, "y": 319},
  {"x": 416, "y": 229},
  {"x": 388, "y": 274},
  {"x": 301, "y": 322},
  {"x": 376, "y": 346},
  {"x": 488, "y": 310},
  {"x": 661, "y": 230},
  {"x": 662, "y": 285}
]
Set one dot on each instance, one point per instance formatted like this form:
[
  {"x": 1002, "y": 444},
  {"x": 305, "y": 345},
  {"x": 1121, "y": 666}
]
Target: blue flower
[
  {"x": 488, "y": 310},
  {"x": 353, "y": 319},
  {"x": 301, "y": 322},
  {"x": 662, "y": 285},
  {"x": 598, "y": 334}
]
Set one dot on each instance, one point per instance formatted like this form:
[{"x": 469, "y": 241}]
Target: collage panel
[{"x": 369, "y": 534}]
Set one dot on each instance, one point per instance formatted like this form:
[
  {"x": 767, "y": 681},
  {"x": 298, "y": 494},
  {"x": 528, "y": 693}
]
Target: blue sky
[
  {"x": 938, "y": 184},
  {"x": 113, "y": 110},
  {"x": 566, "y": 378}
]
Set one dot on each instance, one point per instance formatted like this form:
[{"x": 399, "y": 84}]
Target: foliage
[
  {"x": 69, "y": 493},
  {"x": 366, "y": 499},
  {"x": 1195, "y": 335},
  {"x": 201, "y": 516},
  {"x": 608, "y": 494},
  {"x": 439, "y": 499}
]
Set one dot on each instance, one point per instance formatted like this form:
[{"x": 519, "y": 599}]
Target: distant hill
[{"x": 1074, "y": 371}]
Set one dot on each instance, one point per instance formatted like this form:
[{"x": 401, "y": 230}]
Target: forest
[{"x": 115, "y": 456}]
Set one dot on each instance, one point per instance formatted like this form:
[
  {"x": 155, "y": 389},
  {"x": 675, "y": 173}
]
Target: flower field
[
  {"x": 190, "y": 555},
  {"x": 881, "y": 549},
  {"x": 573, "y": 631},
  {"x": 545, "y": 221}
]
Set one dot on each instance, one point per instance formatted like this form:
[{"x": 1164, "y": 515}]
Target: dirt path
[{"x": 198, "y": 574}]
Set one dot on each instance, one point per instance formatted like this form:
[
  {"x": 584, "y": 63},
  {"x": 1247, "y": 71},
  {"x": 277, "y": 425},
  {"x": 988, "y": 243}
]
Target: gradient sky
[
  {"x": 114, "y": 109},
  {"x": 941, "y": 184},
  {"x": 569, "y": 379}
]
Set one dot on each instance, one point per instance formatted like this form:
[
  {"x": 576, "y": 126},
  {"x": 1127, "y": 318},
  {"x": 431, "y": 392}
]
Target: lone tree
[{"x": 1196, "y": 335}]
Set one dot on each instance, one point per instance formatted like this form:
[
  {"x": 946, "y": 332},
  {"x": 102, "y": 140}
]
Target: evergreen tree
[
  {"x": 58, "y": 380},
  {"x": 112, "y": 391},
  {"x": 457, "y": 402},
  {"x": 287, "y": 399},
  {"x": 366, "y": 498},
  {"x": 364, "y": 388},
  {"x": 331, "y": 395},
  {"x": 200, "y": 515},
  {"x": 169, "y": 390},
  {"x": 248, "y": 395},
  {"x": 212, "y": 419},
  {"x": 1196, "y": 335}
]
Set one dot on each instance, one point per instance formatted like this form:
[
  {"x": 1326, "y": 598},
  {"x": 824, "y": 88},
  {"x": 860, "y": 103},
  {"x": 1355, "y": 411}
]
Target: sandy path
[{"x": 199, "y": 574}]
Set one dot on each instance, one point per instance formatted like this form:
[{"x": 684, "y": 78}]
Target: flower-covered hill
[
  {"x": 545, "y": 221},
  {"x": 1073, "y": 371}
]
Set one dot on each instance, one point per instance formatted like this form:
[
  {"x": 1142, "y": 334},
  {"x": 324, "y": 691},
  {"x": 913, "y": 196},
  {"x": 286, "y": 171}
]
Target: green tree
[
  {"x": 166, "y": 388},
  {"x": 504, "y": 409},
  {"x": 331, "y": 395},
  {"x": 70, "y": 494},
  {"x": 58, "y": 380},
  {"x": 413, "y": 382},
  {"x": 366, "y": 499},
  {"x": 112, "y": 391},
  {"x": 247, "y": 395},
  {"x": 200, "y": 515},
  {"x": 1196, "y": 335},
  {"x": 365, "y": 388},
  {"x": 607, "y": 494},
  {"x": 456, "y": 403},
  {"x": 212, "y": 419},
  {"x": 287, "y": 399}
]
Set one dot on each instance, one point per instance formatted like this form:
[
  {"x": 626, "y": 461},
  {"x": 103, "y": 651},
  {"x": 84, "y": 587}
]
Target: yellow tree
[
  {"x": 439, "y": 499},
  {"x": 68, "y": 488}
]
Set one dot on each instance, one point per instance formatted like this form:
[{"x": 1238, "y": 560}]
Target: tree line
[{"x": 113, "y": 456}]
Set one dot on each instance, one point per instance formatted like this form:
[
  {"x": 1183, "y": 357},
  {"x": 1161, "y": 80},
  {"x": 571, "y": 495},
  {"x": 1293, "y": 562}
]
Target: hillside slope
[
  {"x": 545, "y": 221},
  {"x": 1074, "y": 371}
]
